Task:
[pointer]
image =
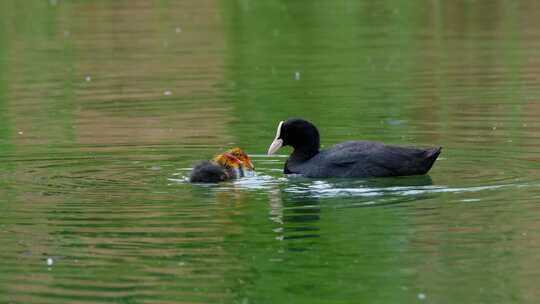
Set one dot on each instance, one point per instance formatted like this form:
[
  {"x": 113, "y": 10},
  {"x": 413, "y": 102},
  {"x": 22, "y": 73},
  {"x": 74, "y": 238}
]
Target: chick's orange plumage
[{"x": 225, "y": 166}]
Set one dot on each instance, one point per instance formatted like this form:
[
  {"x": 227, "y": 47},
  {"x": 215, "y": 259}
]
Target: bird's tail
[{"x": 430, "y": 158}]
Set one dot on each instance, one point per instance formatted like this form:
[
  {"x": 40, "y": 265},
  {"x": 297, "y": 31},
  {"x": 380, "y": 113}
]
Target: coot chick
[
  {"x": 348, "y": 159},
  {"x": 245, "y": 161},
  {"x": 226, "y": 166},
  {"x": 209, "y": 172}
]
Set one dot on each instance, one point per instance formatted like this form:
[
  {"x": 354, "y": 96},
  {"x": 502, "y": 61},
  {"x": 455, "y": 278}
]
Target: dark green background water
[{"x": 105, "y": 106}]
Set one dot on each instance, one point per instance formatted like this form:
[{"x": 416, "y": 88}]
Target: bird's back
[
  {"x": 367, "y": 159},
  {"x": 208, "y": 172}
]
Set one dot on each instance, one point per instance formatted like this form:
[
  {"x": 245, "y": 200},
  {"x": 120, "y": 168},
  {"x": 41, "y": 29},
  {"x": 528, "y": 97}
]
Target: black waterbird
[{"x": 348, "y": 159}]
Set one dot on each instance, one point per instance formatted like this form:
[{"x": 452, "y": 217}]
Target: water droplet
[
  {"x": 21, "y": 132},
  {"x": 50, "y": 261},
  {"x": 296, "y": 75},
  {"x": 167, "y": 93},
  {"x": 421, "y": 296},
  {"x": 88, "y": 78}
]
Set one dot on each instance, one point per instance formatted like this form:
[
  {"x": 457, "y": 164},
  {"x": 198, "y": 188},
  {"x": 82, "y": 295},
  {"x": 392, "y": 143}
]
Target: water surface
[{"x": 106, "y": 105}]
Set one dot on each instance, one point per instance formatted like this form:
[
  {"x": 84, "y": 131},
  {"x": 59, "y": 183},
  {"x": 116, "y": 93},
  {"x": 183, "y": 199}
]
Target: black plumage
[
  {"x": 348, "y": 159},
  {"x": 210, "y": 172}
]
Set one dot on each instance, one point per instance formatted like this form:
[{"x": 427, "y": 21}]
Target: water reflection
[
  {"x": 104, "y": 107},
  {"x": 297, "y": 215}
]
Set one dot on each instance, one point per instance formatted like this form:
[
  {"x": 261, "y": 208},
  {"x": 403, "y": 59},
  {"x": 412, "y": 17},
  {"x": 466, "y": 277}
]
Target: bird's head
[
  {"x": 301, "y": 134},
  {"x": 243, "y": 157},
  {"x": 228, "y": 160}
]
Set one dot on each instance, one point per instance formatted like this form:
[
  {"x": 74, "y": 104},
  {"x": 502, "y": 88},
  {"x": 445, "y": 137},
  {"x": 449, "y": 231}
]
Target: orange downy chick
[{"x": 242, "y": 156}]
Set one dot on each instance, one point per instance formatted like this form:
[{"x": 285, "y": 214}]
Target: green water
[{"x": 106, "y": 105}]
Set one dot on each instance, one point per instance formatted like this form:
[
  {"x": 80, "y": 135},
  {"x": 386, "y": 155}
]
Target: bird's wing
[{"x": 370, "y": 159}]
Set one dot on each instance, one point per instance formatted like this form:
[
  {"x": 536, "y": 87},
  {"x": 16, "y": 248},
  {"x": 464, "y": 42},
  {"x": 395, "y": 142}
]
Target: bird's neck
[
  {"x": 302, "y": 155},
  {"x": 297, "y": 158}
]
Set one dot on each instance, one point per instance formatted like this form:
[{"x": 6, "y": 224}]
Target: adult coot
[
  {"x": 225, "y": 166},
  {"x": 348, "y": 159}
]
